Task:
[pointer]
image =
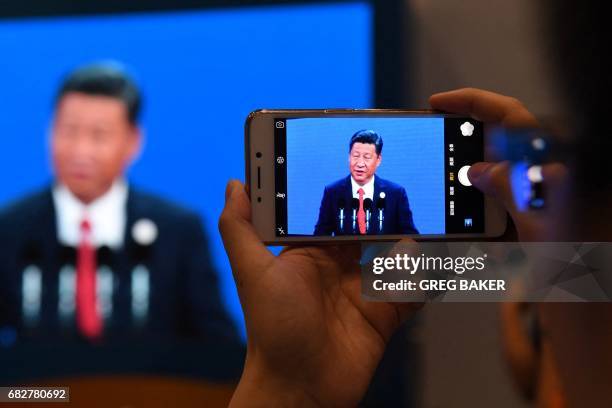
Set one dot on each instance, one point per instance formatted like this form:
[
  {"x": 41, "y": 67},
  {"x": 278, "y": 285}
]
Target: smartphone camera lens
[{"x": 258, "y": 155}]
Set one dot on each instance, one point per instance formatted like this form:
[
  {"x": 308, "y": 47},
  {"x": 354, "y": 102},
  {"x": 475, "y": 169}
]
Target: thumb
[
  {"x": 243, "y": 246},
  {"x": 493, "y": 180}
]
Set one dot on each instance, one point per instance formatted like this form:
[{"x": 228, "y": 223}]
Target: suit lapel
[
  {"x": 374, "y": 213},
  {"x": 348, "y": 213},
  {"x": 134, "y": 212},
  {"x": 48, "y": 214},
  {"x": 52, "y": 254},
  {"x": 130, "y": 217},
  {"x": 379, "y": 187},
  {"x": 46, "y": 231},
  {"x": 348, "y": 191},
  {"x": 377, "y": 182}
]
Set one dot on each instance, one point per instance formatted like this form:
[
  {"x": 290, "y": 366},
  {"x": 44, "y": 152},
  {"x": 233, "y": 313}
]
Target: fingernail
[
  {"x": 229, "y": 189},
  {"x": 477, "y": 170},
  {"x": 438, "y": 93}
]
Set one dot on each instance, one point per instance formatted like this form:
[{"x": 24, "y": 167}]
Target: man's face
[
  {"x": 363, "y": 162},
  {"x": 92, "y": 143}
]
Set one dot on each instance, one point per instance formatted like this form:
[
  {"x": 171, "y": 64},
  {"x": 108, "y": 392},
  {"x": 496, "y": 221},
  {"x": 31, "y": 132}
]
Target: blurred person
[
  {"x": 529, "y": 356},
  {"x": 90, "y": 256},
  {"x": 313, "y": 340},
  {"x": 365, "y": 156},
  {"x": 580, "y": 334}
]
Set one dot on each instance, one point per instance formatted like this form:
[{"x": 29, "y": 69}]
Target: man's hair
[
  {"x": 104, "y": 80},
  {"x": 369, "y": 137}
]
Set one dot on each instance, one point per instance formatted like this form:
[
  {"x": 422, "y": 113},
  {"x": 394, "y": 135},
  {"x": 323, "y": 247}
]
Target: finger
[
  {"x": 555, "y": 175},
  {"x": 484, "y": 106},
  {"x": 493, "y": 180},
  {"x": 517, "y": 344},
  {"x": 347, "y": 255},
  {"x": 408, "y": 243},
  {"x": 246, "y": 252},
  {"x": 350, "y": 253},
  {"x": 407, "y": 310},
  {"x": 406, "y": 246}
]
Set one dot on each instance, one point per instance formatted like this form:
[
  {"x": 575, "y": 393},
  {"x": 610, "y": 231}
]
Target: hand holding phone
[{"x": 306, "y": 320}]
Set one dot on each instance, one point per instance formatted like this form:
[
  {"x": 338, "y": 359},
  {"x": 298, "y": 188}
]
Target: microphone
[
  {"x": 367, "y": 206},
  {"x": 66, "y": 290},
  {"x": 380, "y": 204},
  {"x": 144, "y": 234},
  {"x": 105, "y": 282},
  {"x": 341, "y": 205},
  {"x": 31, "y": 284},
  {"x": 355, "y": 207}
]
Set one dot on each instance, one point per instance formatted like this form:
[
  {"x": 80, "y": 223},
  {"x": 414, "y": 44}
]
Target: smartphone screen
[{"x": 338, "y": 176}]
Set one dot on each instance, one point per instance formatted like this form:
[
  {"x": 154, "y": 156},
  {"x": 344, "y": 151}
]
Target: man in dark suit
[
  {"x": 363, "y": 203},
  {"x": 92, "y": 258}
]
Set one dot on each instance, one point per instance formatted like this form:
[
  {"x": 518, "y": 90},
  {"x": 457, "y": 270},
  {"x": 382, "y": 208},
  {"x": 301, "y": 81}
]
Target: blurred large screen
[{"x": 201, "y": 73}]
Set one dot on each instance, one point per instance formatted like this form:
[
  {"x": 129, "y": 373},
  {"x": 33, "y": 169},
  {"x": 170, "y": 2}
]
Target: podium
[
  {"x": 137, "y": 391},
  {"x": 143, "y": 374}
]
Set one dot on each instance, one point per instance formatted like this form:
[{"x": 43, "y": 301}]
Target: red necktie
[
  {"x": 361, "y": 213},
  {"x": 88, "y": 317}
]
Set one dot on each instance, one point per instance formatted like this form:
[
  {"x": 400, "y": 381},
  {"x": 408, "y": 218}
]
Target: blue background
[
  {"x": 201, "y": 74},
  {"x": 412, "y": 156}
]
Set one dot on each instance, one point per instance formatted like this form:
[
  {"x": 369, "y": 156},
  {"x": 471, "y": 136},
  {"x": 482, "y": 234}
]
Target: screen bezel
[{"x": 260, "y": 177}]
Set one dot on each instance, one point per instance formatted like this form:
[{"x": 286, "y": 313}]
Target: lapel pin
[{"x": 144, "y": 232}]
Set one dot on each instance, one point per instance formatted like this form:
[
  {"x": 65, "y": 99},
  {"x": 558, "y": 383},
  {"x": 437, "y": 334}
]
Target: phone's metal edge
[
  {"x": 344, "y": 240},
  {"x": 375, "y": 111},
  {"x": 247, "y": 150},
  {"x": 297, "y": 240}
]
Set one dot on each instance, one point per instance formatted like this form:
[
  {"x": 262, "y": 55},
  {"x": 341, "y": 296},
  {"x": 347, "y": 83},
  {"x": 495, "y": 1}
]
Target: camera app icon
[{"x": 280, "y": 124}]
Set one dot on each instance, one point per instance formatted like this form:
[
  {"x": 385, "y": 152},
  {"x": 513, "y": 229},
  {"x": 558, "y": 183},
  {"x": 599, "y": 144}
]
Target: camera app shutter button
[{"x": 462, "y": 175}]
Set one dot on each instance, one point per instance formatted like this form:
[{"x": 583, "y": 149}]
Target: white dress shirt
[
  {"x": 368, "y": 189},
  {"x": 106, "y": 215}
]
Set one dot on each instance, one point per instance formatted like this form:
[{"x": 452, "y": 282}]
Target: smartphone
[{"x": 328, "y": 175}]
